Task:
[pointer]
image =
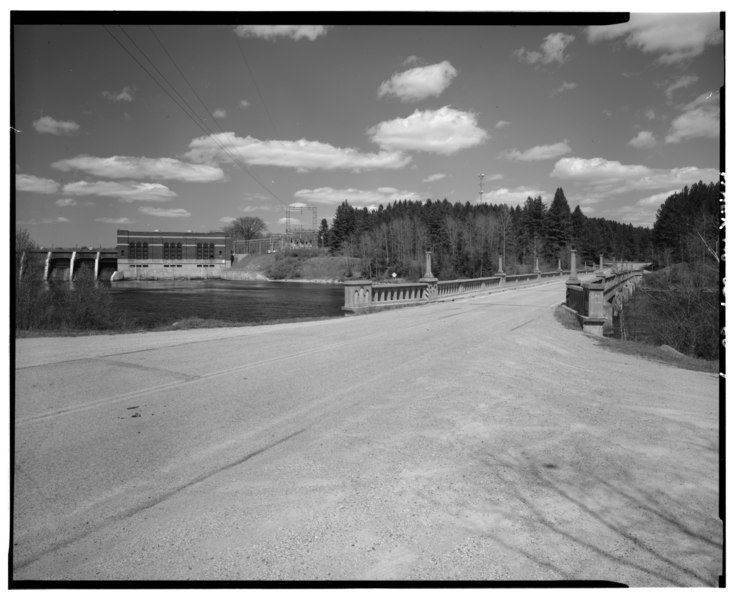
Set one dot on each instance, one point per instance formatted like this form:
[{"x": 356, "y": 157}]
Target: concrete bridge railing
[
  {"x": 593, "y": 302},
  {"x": 365, "y": 296}
]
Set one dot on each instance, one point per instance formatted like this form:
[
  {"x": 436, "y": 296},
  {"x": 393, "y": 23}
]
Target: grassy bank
[
  {"x": 649, "y": 351},
  {"x": 300, "y": 265}
]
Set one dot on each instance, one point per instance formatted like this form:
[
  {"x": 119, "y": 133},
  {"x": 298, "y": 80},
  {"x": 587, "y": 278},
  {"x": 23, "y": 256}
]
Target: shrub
[{"x": 679, "y": 307}]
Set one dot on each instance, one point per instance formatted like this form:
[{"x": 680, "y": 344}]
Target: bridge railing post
[
  {"x": 431, "y": 281},
  {"x": 358, "y": 295}
]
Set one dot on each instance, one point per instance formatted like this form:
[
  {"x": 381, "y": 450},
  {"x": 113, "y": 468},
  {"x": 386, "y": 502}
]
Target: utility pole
[{"x": 480, "y": 192}]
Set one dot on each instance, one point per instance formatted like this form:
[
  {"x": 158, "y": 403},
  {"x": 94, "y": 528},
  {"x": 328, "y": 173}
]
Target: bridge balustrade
[
  {"x": 365, "y": 296},
  {"x": 591, "y": 301}
]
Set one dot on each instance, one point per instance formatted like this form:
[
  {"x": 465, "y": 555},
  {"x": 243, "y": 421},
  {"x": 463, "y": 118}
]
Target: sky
[{"x": 188, "y": 126}]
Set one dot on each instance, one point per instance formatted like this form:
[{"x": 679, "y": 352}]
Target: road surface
[{"x": 468, "y": 440}]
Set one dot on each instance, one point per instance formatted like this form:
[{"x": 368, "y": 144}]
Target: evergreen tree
[{"x": 559, "y": 229}]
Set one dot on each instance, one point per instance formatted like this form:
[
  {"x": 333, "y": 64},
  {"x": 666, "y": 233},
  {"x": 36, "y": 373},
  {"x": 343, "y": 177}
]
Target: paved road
[{"x": 475, "y": 439}]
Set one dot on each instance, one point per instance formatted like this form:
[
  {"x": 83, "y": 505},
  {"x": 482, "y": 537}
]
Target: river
[{"x": 157, "y": 303}]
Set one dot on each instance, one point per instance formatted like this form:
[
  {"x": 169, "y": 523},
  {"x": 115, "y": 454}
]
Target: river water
[{"x": 156, "y": 303}]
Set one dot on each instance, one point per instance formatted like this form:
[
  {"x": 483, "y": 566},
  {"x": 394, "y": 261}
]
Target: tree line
[{"x": 467, "y": 239}]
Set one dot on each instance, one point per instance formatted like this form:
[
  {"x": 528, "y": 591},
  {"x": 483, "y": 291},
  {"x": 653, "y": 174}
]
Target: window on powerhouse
[
  {"x": 204, "y": 251},
  {"x": 172, "y": 251},
  {"x": 138, "y": 250}
]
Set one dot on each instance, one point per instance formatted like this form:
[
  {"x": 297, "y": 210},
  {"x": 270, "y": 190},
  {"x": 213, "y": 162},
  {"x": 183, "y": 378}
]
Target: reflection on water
[{"x": 154, "y": 303}]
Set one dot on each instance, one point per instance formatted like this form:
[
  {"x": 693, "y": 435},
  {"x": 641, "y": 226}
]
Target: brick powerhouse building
[{"x": 171, "y": 255}]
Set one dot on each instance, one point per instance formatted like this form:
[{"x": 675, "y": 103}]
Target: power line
[
  {"x": 257, "y": 87},
  {"x": 201, "y": 125},
  {"x": 179, "y": 70}
]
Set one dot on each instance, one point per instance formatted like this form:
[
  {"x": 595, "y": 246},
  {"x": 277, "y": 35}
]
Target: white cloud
[
  {"x": 657, "y": 199},
  {"x": 496, "y": 177},
  {"x": 683, "y": 81},
  {"x": 362, "y": 197},
  {"x": 128, "y": 192},
  {"x": 553, "y": 50},
  {"x": 46, "y": 124},
  {"x": 515, "y": 196},
  {"x": 605, "y": 177},
  {"x": 296, "y": 32},
  {"x": 411, "y": 60},
  {"x": 44, "y": 221},
  {"x": 125, "y": 95},
  {"x": 539, "y": 152},
  {"x": 64, "y": 202},
  {"x": 289, "y": 220},
  {"x": 434, "y": 177},
  {"x": 650, "y": 114},
  {"x": 675, "y": 37},
  {"x": 35, "y": 184},
  {"x": 501, "y": 124},
  {"x": 165, "y": 212},
  {"x": 567, "y": 85},
  {"x": 301, "y": 154},
  {"x": 219, "y": 113},
  {"x": 244, "y": 103},
  {"x": 249, "y": 209},
  {"x": 644, "y": 139},
  {"x": 419, "y": 83},
  {"x": 124, "y": 220},
  {"x": 443, "y": 131},
  {"x": 139, "y": 167},
  {"x": 700, "y": 119}
]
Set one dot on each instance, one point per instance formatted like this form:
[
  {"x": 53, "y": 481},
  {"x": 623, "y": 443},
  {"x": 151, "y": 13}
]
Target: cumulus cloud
[
  {"x": 544, "y": 152},
  {"x": 644, "y": 139},
  {"x": 219, "y": 113},
  {"x": 517, "y": 195},
  {"x": 123, "y": 220},
  {"x": 434, "y": 177},
  {"x": 612, "y": 177},
  {"x": 43, "y": 221},
  {"x": 301, "y": 154},
  {"x": 552, "y": 50},
  {"x": 244, "y": 103},
  {"x": 46, "y": 124},
  {"x": 295, "y": 32},
  {"x": 64, "y": 202},
  {"x": 419, "y": 83},
  {"x": 567, "y": 85},
  {"x": 501, "y": 124},
  {"x": 699, "y": 119},
  {"x": 444, "y": 131},
  {"x": 127, "y": 192},
  {"x": 650, "y": 114},
  {"x": 356, "y": 197},
  {"x": 675, "y": 37},
  {"x": 657, "y": 199},
  {"x": 683, "y": 81},
  {"x": 139, "y": 167},
  {"x": 249, "y": 209},
  {"x": 125, "y": 95},
  {"x": 496, "y": 177},
  {"x": 35, "y": 184},
  {"x": 165, "y": 212}
]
